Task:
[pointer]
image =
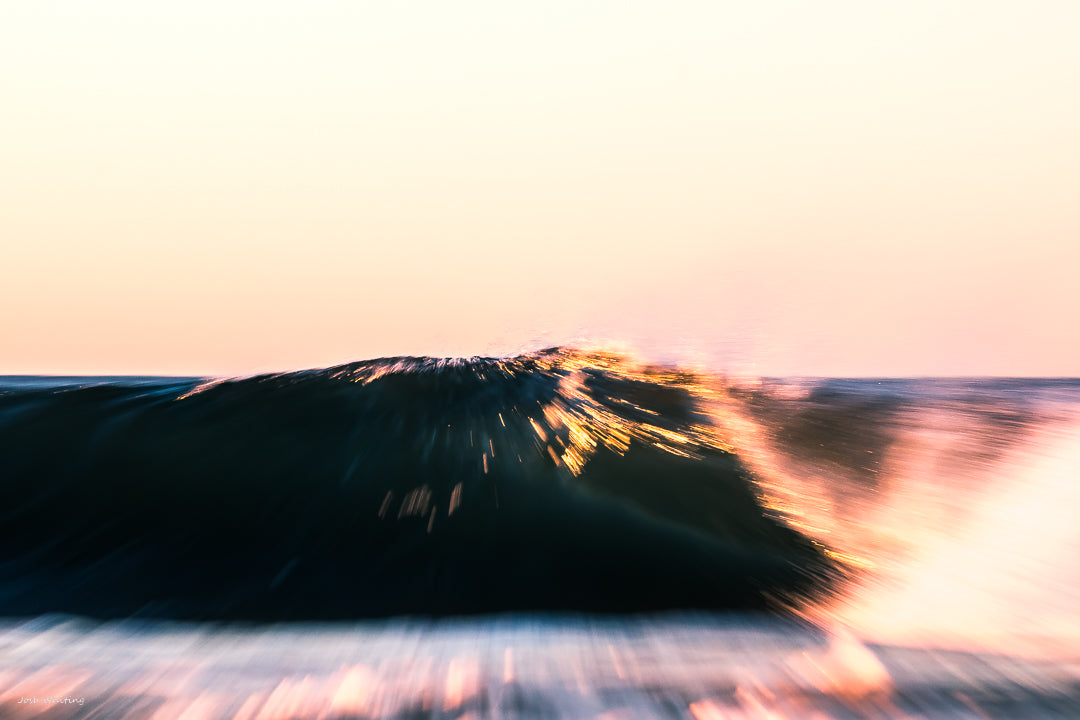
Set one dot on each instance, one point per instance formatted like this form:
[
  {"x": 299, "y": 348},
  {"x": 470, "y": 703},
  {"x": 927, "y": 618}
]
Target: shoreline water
[{"x": 688, "y": 666}]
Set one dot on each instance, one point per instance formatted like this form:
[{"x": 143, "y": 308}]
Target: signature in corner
[{"x": 61, "y": 700}]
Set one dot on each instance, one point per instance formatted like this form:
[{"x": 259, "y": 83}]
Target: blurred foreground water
[{"x": 673, "y": 666}]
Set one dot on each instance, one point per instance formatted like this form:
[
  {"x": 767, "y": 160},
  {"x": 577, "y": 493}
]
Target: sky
[{"x": 773, "y": 187}]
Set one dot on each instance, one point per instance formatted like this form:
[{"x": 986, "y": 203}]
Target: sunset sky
[{"x": 818, "y": 188}]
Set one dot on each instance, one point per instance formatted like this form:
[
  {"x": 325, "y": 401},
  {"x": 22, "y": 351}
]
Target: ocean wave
[{"x": 560, "y": 480}]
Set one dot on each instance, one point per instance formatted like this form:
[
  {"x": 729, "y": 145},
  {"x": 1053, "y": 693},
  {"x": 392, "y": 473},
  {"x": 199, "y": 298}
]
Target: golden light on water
[{"x": 577, "y": 420}]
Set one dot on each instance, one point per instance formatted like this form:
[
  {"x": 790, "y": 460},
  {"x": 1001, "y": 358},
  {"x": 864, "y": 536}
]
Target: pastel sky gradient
[{"x": 776, "y": 187}]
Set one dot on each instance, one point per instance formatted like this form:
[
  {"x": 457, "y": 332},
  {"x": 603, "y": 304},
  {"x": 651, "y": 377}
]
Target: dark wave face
[{"x": 558, "y": 481}]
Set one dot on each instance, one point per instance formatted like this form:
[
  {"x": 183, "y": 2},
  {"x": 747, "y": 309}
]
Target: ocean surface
[{"x": 562, "y": 534}]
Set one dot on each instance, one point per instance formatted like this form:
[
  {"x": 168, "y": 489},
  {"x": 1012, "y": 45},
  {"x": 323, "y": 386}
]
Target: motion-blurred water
[{"x": 562, "y": 534}]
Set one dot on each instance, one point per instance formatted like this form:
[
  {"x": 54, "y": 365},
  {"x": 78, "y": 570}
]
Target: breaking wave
[{"x": 556, "y": 481}]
